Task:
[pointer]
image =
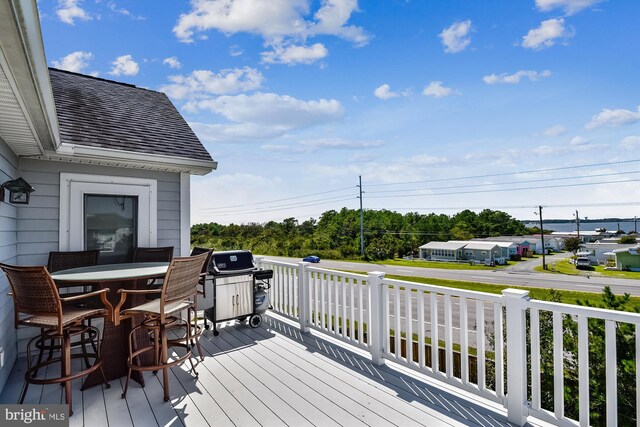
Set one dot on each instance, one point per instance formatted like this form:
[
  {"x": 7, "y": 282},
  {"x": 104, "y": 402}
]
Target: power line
[
  {"x": 568, "y": 205},
  {"x": 508, "y": 173},
  {"x": 519, "y": 182},
  {"x": 497, "y": 190},
  {"x": 278, "y": 200},
  {"x": 284, "y": 207}
]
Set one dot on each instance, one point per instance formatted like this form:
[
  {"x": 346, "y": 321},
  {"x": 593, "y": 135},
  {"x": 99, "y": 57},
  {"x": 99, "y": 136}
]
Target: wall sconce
[{"x": 20, "y": 191}]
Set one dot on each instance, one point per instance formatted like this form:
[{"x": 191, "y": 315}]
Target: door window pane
[{"x": 110, "y": 224}]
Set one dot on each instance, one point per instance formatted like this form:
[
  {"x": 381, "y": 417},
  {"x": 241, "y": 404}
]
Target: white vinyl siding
[{"x": 8, "y": 254}]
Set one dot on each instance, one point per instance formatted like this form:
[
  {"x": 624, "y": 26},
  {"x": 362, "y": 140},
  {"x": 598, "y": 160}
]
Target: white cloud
[
  {"x": 295, "y": 54},
  {"x": 235, "y": 50},
  {"x": 578, "y": 141},
  {"x": 555, "y": 130},
  {"x": 436, "y": 89},
  {"x": 340, "y": 144},
  {"x": 124, "y": 65},
  {"x": 274, "y": 20},
  {"x": 614, "y": 118},
  {"x": 122, "y": 11},
  {"x": 69, "y": 10},
  {"x": 570, "y": 7},
  {"x": 456, "y": 37},
  {"x": 631, "y": 143},
  {"x": 546, "y": 34},
  {"x": 75, "y": 61},
  {"x": 204, "y": 83},
  {"x": 172, "y": 62},
  {"x": 385, "y": 92},
  {"x": 318, "y": 144},
  {"x": 271, "y": 109},
  {"x": 515, "y": 77}
]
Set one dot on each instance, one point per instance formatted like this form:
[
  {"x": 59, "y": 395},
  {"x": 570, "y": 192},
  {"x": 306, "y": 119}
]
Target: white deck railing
[{"x": 483, "y": 343}]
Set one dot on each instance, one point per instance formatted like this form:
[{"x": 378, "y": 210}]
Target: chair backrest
[
  {"x": 34, "y": 291},
  {"x": 198, "y": 251},
  {"x": 164, "y": 254},
  {"x": 182, "y": 277},
  {"x": 74, "y": 259}
]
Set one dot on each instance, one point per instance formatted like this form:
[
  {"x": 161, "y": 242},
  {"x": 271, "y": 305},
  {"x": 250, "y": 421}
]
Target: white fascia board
[
  {"x": 121, "y": 158},
  {"x": 34, "y": 51}
]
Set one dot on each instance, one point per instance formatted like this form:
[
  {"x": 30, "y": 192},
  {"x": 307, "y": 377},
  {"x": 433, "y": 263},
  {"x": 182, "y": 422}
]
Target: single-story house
[
  {"x": 442, "y": 251},
  {"x": 627, "y": 259},
  {"x": 522, "y": 244},
  {"x": 585, "y": 236},
  {"x": 599, "y": 252},
  {"x": 110, "y": 163},
  {"x": 460, "y": 250}
]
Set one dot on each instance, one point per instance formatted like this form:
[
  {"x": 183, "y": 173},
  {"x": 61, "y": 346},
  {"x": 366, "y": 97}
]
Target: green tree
[{"x": 572, "y": 244}]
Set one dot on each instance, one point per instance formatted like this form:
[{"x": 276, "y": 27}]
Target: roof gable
[{"x": 106, "y": 114}]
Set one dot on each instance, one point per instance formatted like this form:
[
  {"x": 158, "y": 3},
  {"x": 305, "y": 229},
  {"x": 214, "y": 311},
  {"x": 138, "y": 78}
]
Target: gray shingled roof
[{"x": 103, "y": 113}]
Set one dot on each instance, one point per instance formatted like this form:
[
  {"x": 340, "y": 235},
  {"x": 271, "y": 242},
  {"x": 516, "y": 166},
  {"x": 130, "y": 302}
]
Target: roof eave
[{"x": 128, "y": 159}]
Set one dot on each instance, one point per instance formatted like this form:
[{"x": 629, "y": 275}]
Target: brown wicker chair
[
  {"x": 197, "y": 330},
  {"x": 38, "y": 304},
  {"x": 63, "y": 261},
  {"x": 179, "y": 292},
  {"x": 163, "y": 254}
]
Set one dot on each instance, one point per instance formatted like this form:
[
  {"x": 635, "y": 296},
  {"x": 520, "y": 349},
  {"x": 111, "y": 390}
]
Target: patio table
[{"x": 115, "y": 345}]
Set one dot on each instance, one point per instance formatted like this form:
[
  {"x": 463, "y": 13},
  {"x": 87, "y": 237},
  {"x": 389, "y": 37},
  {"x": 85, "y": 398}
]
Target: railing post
[
  {"x": 377, "y": 318},
  {"x": 516, "y": 303},
  {"x": 304, "y": 304},
  {"x": 257, "y": 260}
]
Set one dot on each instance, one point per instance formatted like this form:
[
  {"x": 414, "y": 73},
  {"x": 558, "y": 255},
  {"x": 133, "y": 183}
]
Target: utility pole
[
  {"x": 544, "y": 264},
  {"x": 361, "y": 217},
  {"x": 635, "y": 224},
  {"x": 578, "y": 223}
]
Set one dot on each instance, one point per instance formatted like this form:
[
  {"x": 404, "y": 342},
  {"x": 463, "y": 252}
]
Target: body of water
[{"x": 568, "y": 226}]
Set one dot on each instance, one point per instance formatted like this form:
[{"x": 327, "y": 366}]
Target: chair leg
[
  {"x": 129, "y": 362},
  {"x": 41, "y": 352},
  {"x": 99, "y": 357},
  {"x": 165, "y": 357},
  {"x": 197, "y": 338},
  {"x": 66, "y": 368}
]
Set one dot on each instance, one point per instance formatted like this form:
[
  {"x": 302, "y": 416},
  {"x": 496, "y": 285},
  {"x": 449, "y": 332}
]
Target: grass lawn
[{"x": 565, "y": 266}]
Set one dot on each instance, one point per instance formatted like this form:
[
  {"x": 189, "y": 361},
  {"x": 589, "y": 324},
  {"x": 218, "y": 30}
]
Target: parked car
[
  {"x": 583, "y": 263},
  {"x": 311, "y": 258}
]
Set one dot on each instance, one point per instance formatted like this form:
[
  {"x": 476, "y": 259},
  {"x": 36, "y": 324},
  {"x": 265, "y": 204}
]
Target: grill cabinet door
[
  {"x": 225, "y": 301},
  {"x": 244, "y": 300}
]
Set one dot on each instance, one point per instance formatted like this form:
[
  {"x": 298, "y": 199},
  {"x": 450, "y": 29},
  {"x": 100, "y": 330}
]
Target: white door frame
[{"x": 74, "y": 186}]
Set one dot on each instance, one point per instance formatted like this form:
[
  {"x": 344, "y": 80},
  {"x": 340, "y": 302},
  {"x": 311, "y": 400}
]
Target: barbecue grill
[{"x": 238, "y": 289}]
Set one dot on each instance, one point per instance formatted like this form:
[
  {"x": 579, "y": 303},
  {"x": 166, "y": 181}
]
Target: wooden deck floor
[{"x": 271, "y": 376}]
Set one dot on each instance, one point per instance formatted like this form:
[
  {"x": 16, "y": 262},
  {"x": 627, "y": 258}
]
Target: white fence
[{"x": 487, "y": 344}]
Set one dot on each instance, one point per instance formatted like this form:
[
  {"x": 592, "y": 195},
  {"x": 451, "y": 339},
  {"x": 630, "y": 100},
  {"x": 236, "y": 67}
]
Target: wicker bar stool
[
  {"x": 38, "y": 304},
  {"x": 179, "y": 292},
  {"x": 58, "y": 261},
  {"x": 204, "y": 277}
]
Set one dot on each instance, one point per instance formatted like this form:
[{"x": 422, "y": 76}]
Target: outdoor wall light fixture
[{"x": 20, "y": 191}]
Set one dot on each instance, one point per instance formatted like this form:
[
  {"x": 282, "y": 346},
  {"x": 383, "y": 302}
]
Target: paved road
[{"x": 499, "y": 276}]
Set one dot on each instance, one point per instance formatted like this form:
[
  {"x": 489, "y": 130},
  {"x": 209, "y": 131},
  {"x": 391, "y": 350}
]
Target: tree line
[{"x": 336, "y": 234}]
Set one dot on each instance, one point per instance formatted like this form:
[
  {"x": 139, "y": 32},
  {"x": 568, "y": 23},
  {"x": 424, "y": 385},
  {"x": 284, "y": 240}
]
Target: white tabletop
[{"x": 108, "y": 272}]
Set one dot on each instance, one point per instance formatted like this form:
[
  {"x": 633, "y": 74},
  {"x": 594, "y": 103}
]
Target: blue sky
[{"x": 439, "y": 105}]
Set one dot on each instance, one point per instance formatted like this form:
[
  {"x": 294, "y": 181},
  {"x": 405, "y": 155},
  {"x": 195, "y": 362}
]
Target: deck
[{"x": 271, "y": 376}]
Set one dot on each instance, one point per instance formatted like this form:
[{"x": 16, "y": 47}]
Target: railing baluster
[
  {"x": 583, "y": 370},
  {"x": 534, "y": 318},
  {"x": 435, "y": 363},
  {"x": 385, "y": 318},
  {"x": 344, "y": 308},
  {"x": 448, "y": 335},
  {"x": 637, "y": 325},
  {"x": 498, "y": 326},
  {"x": 316, "y": 314},
  {"x": 326, "y": 302},
  {"x": 352, "y": 313},
  {"x": 397, "y": 326},
  {"x": 558, "y": 366},
  {"x": 361, "y": 314},
  {"x": 421, "y": 355},
  {"x": 336, "y": 305},
  {"x": 409, "y": 329},
  {"x": 612, "y": 370},
  {"x": 464, "y": 342},
  {"x": 481, "y": 366}
]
